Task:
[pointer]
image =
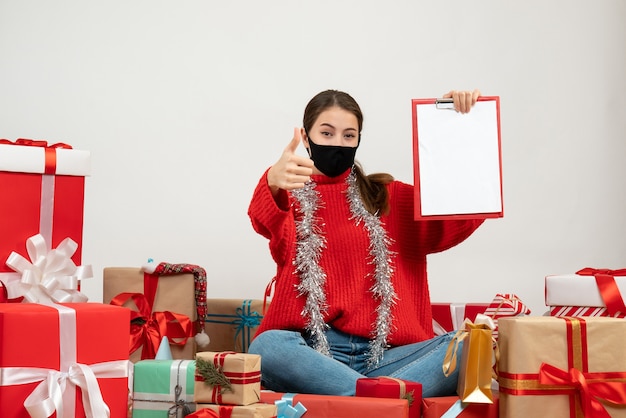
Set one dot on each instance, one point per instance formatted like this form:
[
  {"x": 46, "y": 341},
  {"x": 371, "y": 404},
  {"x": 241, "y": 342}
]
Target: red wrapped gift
[
  {"x": 439, "y": 406},
  {"x": 323, "y": 406},
  {"x": 81, "y": 360},
  {"x": 43, "y": 187},
  {"x": 389, "y": 387},
  {"x": 449, "y": 317}
]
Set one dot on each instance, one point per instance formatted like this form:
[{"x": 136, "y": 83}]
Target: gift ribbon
[
  {"x": 245, "y": 319},
  {"x": 4, "y": 295},
  {"x": 286, "y": 409},
  {"x": 235, "y": 378},
  {"x": 56, "y": 391},
  {"x": 577, "y": 382},
  {"x": 148, "y": 328},
  {"x": 608, "y": 288},
  {"x": 49, "y": 277},
  {"x": 50, "y": 151},
  {"x": 455, "y": 410}
]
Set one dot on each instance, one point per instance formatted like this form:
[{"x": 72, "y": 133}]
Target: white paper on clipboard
[{"x": 457, "y": 160}]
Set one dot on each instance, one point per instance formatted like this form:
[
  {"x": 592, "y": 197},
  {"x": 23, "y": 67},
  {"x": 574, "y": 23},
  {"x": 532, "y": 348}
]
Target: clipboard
[{"x": 457, "y": 160}]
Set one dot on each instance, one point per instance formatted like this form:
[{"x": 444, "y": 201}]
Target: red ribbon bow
[
  {"x": 35, "y": 143},
  {"x": 590, "y": 386},
  {"x": 50, "y": 151},
  {"x": 608, "y": 288},
  {"x": 153, "y": 326}
]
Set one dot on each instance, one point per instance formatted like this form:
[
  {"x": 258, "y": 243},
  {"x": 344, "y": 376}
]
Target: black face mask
[{"x": 332, "y": 160}]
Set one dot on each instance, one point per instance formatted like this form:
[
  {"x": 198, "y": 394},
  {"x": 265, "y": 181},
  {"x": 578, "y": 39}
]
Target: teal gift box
[{"x": 163, "y": 388}]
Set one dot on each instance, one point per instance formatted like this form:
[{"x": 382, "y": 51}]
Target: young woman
[{"x": 351, "y": 295}]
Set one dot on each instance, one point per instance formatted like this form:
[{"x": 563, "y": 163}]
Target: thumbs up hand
[{"x": 291, "y": 171}]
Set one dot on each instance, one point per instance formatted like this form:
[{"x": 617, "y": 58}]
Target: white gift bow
[
  {"x": 49, "y": 277},
  {"x": 54, "y": 393},
  {"x": 47, "y": 397}
]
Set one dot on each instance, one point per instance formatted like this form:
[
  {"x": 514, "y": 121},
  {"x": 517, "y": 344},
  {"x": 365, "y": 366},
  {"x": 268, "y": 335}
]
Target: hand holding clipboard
[{"x": 457, "y": 159}]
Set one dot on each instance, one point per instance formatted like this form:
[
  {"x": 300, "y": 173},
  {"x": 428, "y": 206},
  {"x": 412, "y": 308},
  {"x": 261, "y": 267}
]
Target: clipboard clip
[{"x": 444, "y": 103}]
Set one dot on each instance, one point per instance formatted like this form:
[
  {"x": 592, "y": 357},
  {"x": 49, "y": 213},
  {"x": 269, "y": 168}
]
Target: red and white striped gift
[
  {"x": 576, "y": 311},
  {"x": 504, "y": 305}
]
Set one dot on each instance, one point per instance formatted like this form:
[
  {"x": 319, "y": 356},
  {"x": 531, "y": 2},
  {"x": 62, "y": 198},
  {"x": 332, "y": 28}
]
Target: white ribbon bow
[
  {"x": 49, "y": 277},
  {"x": 48, "y": 395}
]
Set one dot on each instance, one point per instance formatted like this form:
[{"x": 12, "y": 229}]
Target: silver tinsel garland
[{"x": 310, "y": 244}]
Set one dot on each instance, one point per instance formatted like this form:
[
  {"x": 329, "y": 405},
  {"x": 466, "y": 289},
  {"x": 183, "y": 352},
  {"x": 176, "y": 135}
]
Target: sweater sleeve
[
  {"x": 272, "y": 218},
  {"x": 421, "y": 237}
]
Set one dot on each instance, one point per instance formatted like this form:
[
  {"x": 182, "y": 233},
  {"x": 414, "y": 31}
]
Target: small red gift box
[
  {"x": 42, "y": 186},
  {"x": 388, "y": 387},
  {"x": 81, "y": 360},
  {"x": 438, "y": 406},
  {"x": 323, "y": 406}
]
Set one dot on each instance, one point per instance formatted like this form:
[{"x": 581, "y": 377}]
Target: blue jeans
[{"x": 290, "y": 364}]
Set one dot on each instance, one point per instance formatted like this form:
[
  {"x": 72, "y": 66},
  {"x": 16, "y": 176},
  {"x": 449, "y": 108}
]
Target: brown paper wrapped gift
[
  {"x": 477, "y": 359},
  {"x": 231, "y": 323},
  {"x": 562, "y": 367},
  {"x": 227, "y": 378},
  {"x": 255, "y": 410},
  {"x": 174, "y": 293}
]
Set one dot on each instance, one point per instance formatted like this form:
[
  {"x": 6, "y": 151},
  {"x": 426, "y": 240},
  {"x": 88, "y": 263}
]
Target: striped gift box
[
  {"x": 576, "y": 311},
  {"x": 505, "y": 305}
]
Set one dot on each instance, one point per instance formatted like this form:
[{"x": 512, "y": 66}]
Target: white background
[{"x": 183, "y": 104}]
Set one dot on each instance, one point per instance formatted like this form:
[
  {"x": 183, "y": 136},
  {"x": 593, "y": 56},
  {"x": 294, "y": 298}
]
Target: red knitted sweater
[{"x": 345, "y": 260}]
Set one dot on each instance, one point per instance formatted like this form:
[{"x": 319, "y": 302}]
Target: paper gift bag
[
  {"x": 64, "y": 358},
  {"x": 477, "y": 360},
  {"x": 389, "y": 387},
  {"x": 231, "y": 323},
  {"x": 227, "y": 378},
  {"x": 42, "y": 189},
  {"x": 562, "y": 367},
  {"x": 255, "y": 410},
  {"x": 167, "y": 296},
  {"x": 163, "y": 388}
]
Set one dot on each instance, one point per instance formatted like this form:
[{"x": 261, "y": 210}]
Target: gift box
[
  {"x": 227, "y": 378},
  {"x": 163, "y": 388},
  {"x": 562, "y": 367},
  {"x": 588, "y": 292},
  {"x": 389, "y": 387},
  {"x": 451, "y": 406},
  {"x": 323, "y": 406},
  {"x": 232, "y": 323},
  {"x": 584, "y": 311},
  {"x": 477, "y": 360},
  {"x": 449, "y": 317},
  {"x": 42, "y": 190},
  {"x": 255, "y": 410},
  {"x": 170, "y": 306},
  {"x": 64, "y": 357}
]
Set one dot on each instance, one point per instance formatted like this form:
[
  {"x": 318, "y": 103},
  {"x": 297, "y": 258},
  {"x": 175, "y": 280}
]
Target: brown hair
[{"x": 372, "y": 187}]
